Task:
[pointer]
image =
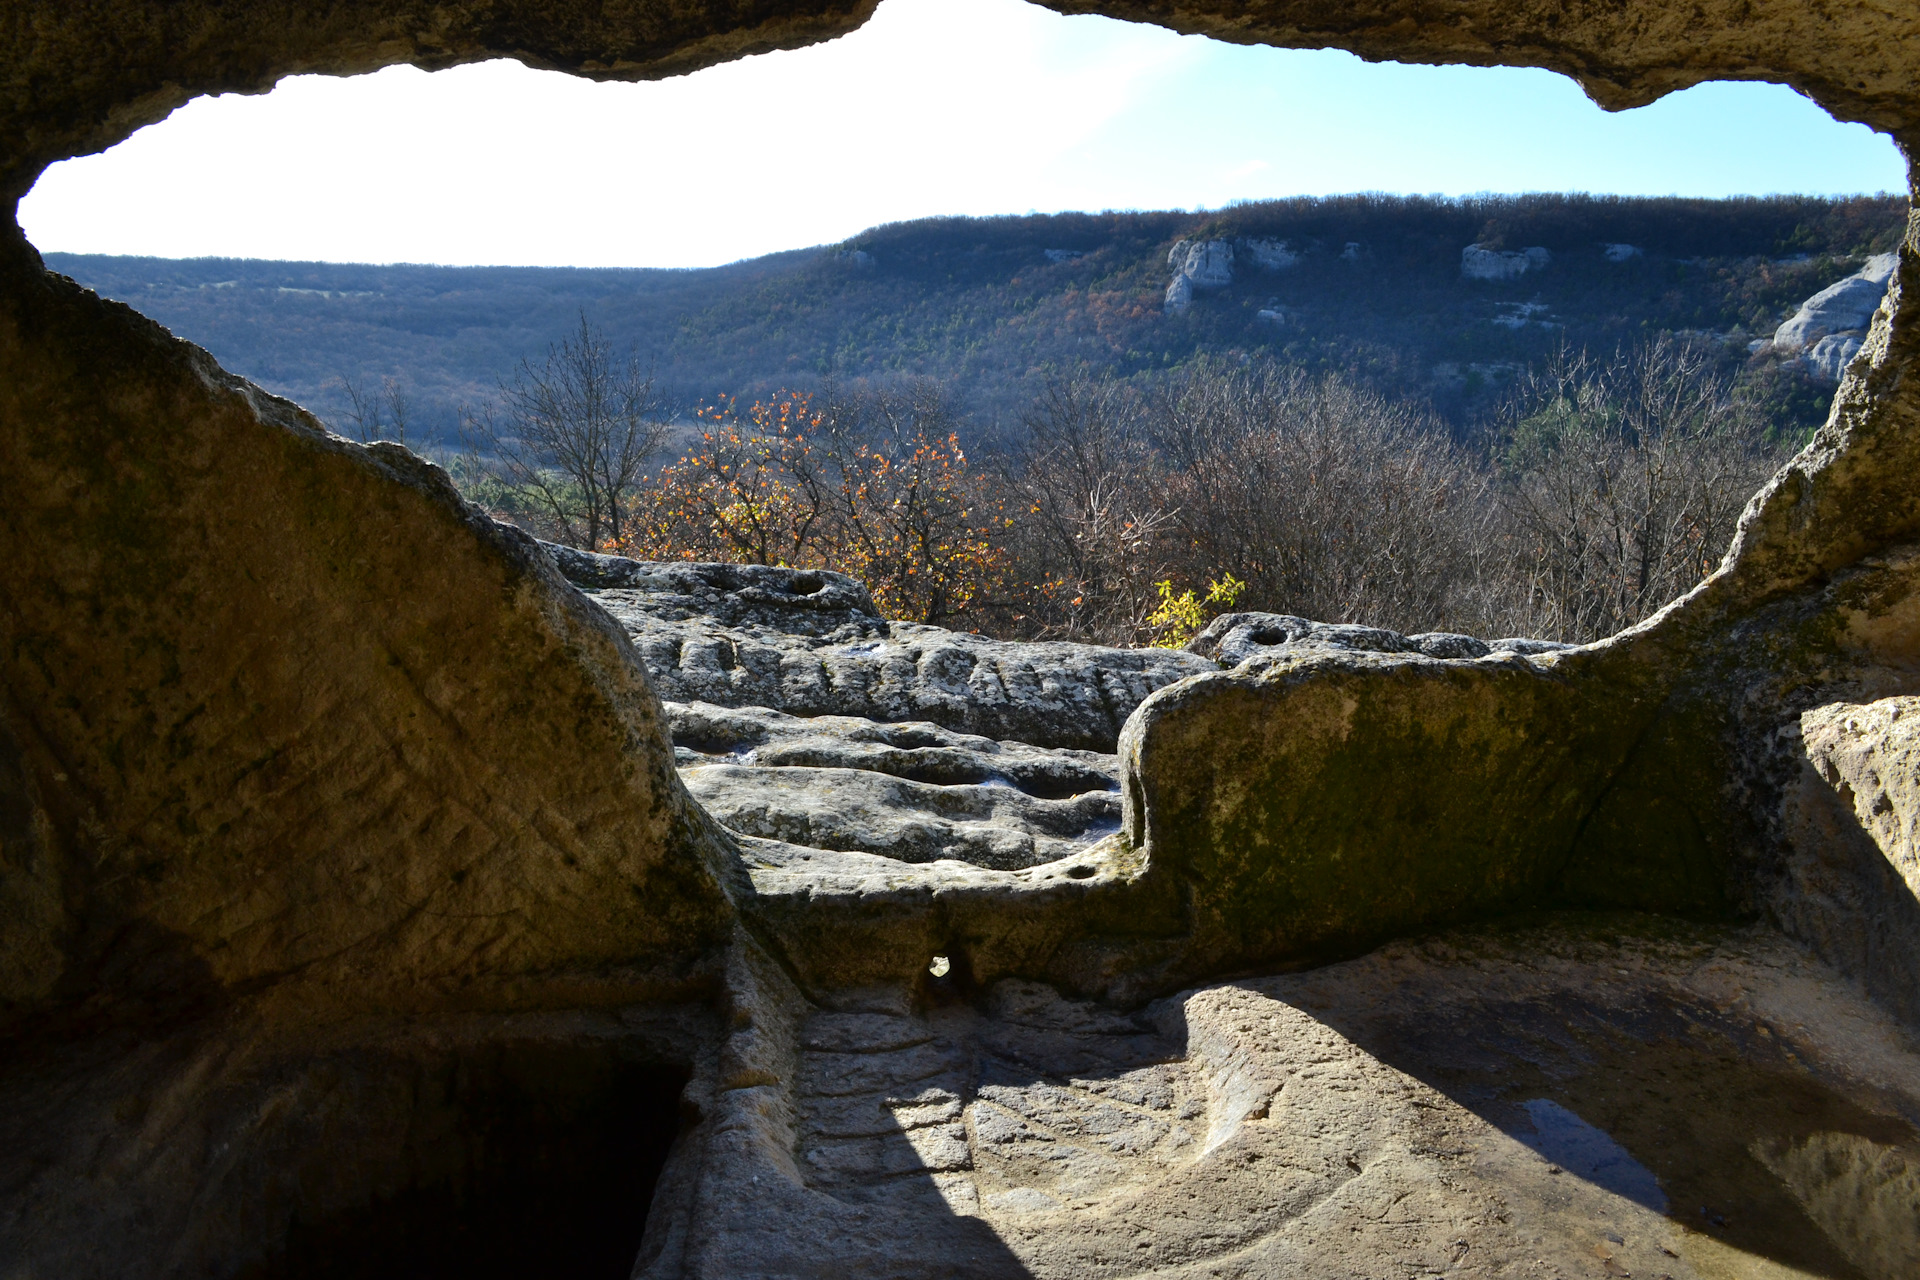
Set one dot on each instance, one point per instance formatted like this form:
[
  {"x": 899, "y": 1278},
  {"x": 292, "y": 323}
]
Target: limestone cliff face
[
  {"x": 1847, "y": 305},
  {"x": 1829, "y": 328},
  {"x": 1478, "y": 262},
  {"x": 1197, "y": 265}
]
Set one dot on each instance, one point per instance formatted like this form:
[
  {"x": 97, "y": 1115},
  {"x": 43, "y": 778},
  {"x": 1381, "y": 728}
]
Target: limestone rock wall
[
  {"x": 278, "y": 707},
  {"x": 1870, "y": 755}
]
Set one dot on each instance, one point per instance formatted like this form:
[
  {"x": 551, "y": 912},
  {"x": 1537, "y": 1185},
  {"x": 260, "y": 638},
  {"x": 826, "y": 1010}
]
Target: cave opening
[{"x": 519, "y": 1160}]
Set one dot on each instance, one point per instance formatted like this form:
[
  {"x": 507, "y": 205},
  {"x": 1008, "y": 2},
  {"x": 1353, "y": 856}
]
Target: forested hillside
[{"x": 994, "y": 308}]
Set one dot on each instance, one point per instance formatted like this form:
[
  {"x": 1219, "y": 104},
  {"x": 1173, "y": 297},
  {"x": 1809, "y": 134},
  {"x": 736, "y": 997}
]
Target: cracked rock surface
[
  {"x": 811, "y": 723},
  {"x": 1580, "y": 1096},
  {"x": 1236, "y": 638},
  {"x": 912, "y": 792},
  {"x": 811, "y": 643}
]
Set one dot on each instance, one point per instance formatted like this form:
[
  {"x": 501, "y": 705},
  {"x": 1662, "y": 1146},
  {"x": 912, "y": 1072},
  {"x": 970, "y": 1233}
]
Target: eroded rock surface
[
  {"x": 1845, "y": 307},
  {"x": 1236, "y": 638},
  {"x": 811, "y": 643},
  {"x": 912, "y": 792},
  {"x": 269, "y": 763},
  {"x": 906, "y": 789},
  {"x": 1588, "y": 1096},
  {"x": 1871, "y": 755}
]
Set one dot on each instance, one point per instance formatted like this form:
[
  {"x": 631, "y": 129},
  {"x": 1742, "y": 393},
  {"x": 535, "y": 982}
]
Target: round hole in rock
[
  {"x": 1080, "y": 872},
  {"x": 522, "y": 1160}
]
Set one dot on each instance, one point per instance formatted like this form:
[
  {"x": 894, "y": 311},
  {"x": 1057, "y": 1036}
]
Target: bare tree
[
  {"x": 377, "y": 414},
  {"x": 1092, "y": 521},
  {"x": 1624, "y": 482},
  {"x": 572, "y": 435},
  {"x": 1326, "y": 499}
]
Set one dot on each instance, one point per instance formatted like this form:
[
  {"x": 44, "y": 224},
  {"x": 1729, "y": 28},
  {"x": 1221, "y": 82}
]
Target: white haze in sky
[{"x": 934, "y": 107}]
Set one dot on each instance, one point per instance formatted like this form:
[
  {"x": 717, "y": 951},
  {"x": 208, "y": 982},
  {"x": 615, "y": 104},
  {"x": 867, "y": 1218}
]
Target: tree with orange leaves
[{"x": 875, "y": 485}]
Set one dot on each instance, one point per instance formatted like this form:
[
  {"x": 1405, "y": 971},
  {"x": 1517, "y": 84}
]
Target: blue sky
[{"x": 935, "y": 107}]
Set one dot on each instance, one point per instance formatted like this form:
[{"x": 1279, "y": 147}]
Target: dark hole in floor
[
  {"x": 532, "y": 1160},
  {"x": 1061, "y": 784}
]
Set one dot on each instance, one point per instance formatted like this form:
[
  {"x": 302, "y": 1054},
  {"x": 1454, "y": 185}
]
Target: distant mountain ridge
[{"x": 1384, "y": 287}]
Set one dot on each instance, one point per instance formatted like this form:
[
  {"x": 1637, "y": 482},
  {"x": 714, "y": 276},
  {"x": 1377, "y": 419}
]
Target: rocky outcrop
[
  {"x": 909, "y": 792},
  {"x": 811, "y": 643},
  {"x": 1293, "y": 778},
  {"x": 793, "y": 780},
  {"x": 1842, "y": 309},
  {"x": 1197, "y": 265},
  {"x": 1620, "y": 252},
  {"x": 1870, "y": 755},
  {"x": 1237, "y": 638},
  {"x": 1827, "y": 332},
  {"x": 228, "y": 771},
  {"x": 1206, "y": 264},
  {"x": 1478, "y": 262},
  {"x": 1179, "y": 296},
  {"x": 1827, "y": 359},
  {"x": 1269, "y": 255}
]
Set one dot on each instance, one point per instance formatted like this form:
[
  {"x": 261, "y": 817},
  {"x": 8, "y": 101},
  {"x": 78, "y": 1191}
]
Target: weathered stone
[
  {"x": 1870, "y": 755},
  {"x": 1236, "y": 638},
  {"x": 281, "y": 707},
  {"x": 1843, "y": 307},
  {"x": 919, "y": 752},
  {"x": 1179, "y": 296},
  {"x": 1480, "y": 263},
  {"x": 1828, "y": 358},
  {"x": 854, "y": 809},
  {"x": 912, "y": 792},
  {"x": 290, "y": 737},
  {"x": 810, "y": 643},
  {"x": 1323, "y": 799},
  {"x": 1197, "y": 264},
  {"x": 1206, "y": 264},
  {"x": 1476, "y": 1103}
]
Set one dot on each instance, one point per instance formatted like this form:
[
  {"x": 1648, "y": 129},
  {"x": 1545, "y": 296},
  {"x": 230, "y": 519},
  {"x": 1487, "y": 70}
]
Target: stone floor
[{"x": 1575, "y": 1097}]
